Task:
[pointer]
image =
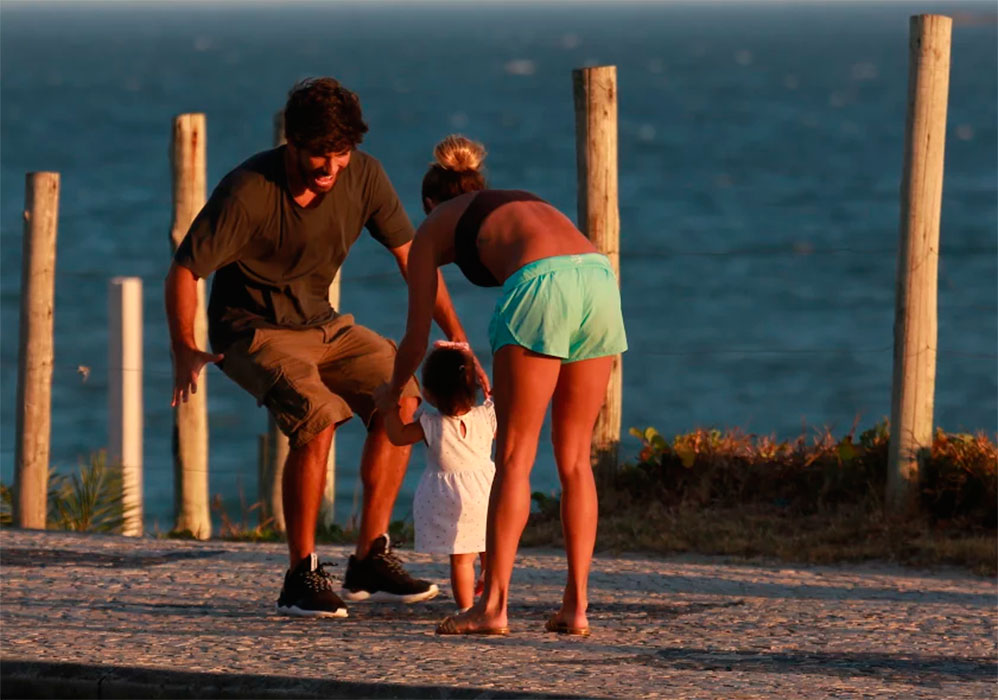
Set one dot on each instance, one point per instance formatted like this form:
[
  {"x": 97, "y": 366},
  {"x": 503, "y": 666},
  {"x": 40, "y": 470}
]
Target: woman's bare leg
[
  {"x": 577, "y": 400},
  {"x": 462, "y": 579},
  {"x": 480, "y": 581},
  {"x": 523, "y": 382}
]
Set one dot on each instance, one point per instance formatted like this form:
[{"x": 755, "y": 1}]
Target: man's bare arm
[{"x": 181, "y": 295}]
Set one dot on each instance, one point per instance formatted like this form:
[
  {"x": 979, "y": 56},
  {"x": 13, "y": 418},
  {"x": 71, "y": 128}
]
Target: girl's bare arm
[{"x": 399, "y": 433}]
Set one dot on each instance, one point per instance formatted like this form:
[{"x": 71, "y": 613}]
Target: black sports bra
[{"x": 468, "y": 226}]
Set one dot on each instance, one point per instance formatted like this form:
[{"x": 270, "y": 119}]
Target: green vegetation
[
  {"x": 88, "y": 500},
  {"x": 813, "y": 501}
]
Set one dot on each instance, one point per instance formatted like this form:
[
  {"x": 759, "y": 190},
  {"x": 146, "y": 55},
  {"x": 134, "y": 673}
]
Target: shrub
[
  {"x": 806, "y": 477},
  {"x": 89, "y": 500}
]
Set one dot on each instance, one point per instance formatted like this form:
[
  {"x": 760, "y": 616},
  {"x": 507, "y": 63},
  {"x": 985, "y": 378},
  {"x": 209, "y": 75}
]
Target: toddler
[{"x": 452, "y": 500}]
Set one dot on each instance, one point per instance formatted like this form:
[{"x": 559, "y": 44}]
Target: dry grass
[
  {"x": 809, "y": 501},
  {"x": 817, "y": 500}
]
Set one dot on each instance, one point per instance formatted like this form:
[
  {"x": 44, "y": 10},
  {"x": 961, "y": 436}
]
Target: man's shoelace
[
  {"x": 394, "y": 564},
  {"x": 320, "y": 579}
]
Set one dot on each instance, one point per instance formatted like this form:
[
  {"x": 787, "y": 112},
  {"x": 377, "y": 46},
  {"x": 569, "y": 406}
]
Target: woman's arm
[
  {"x": 443, "y": 309},
  {"x": 422, "y": 279}
]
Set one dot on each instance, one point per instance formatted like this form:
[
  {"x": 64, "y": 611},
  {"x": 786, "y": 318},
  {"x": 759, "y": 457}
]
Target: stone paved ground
[{"x": 663, "y": 627}]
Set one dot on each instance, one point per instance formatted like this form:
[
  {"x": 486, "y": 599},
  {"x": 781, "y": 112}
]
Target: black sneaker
[
  {"x": 308, "y": 591},
  {"x": 380, "y": 576}
]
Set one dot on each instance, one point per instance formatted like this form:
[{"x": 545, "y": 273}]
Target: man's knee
[{"x": 316, "y": 443}]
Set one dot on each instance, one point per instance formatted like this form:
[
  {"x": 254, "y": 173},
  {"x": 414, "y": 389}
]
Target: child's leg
[{"x": 462, "y": 579}]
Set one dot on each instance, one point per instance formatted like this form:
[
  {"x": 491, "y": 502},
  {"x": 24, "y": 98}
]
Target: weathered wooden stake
[
  {"x": 274, "y": 450},
  {"x": 273, "y": 453},
  {"x": 595, "y": 92},
  {"x": 124, "y": 363},
  {"x": 918, "y": 258},
  {"x": 190, "y": 418},
  {"x": 328, "y": 510},
  {"x": 36, "y": 350}
]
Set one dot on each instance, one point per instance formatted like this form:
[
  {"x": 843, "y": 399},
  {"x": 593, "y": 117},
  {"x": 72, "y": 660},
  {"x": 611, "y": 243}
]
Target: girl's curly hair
[{"x": 449, "y": 375}]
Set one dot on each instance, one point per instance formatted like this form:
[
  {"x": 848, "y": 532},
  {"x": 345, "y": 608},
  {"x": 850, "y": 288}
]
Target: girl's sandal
[
  {"x": 558, "y": 627},
  {"x": 448, "y": 626}
]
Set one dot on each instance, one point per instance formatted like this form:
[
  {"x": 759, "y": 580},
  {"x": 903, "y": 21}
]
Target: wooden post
[
  {"x": 328, "y": 509},
  {"x": 275, "y": 446},
  {"x": 276, "y": 443},
  {"x": 918, "y": 258},
  {"x": 36, "y": 350},
  {"x": 124, "y": 363},
  {"x": 190, "y": 419},
  {"x": 273, "y": 452},
  {"x": 599, "y": 218}
]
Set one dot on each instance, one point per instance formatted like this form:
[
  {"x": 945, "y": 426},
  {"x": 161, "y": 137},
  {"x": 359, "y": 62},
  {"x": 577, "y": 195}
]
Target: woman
[{"x": 554, "y": 333}]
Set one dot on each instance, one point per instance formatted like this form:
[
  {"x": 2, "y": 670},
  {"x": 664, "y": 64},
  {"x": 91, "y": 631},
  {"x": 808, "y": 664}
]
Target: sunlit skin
[
  {"x": 464, "y": 585},
  {"x": 525, "y": 385},
  {"x": 382, "y": 465}
]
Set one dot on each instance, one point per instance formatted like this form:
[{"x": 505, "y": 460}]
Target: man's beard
[{"x": 313, "y": 179}]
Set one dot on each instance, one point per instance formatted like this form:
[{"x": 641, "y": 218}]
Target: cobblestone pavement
[{"x": 683, "y": 627}]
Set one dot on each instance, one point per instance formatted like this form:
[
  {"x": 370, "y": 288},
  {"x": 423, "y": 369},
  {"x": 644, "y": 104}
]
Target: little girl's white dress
[{"x": 452, "y": 499}]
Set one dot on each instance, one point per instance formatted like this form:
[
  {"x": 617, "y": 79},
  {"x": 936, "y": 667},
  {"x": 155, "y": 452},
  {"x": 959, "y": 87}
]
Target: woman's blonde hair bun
[{"x": 459, "y": 153}]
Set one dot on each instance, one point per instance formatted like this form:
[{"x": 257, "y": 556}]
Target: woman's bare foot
[
  {"x": 476, "y": 620},
  {"x": 568, "y": 622}
]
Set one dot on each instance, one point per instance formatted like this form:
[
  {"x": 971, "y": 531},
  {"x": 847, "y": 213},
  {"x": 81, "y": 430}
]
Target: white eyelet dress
[{"x": 452, "y": 500}]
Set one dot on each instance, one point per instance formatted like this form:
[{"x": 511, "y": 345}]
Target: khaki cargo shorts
[{"x": 315, "y": 377}]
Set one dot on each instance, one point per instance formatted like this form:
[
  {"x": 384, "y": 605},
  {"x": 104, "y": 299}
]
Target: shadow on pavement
[{"x": 26, "y": 679}]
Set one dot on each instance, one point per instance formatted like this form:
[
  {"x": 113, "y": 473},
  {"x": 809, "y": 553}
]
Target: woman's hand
[
  {"x": 483, "y": 377},
  {"x": 480, "y": 374}
]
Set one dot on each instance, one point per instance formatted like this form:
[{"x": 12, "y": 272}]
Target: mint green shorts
[{"x": 566, "y": 306}]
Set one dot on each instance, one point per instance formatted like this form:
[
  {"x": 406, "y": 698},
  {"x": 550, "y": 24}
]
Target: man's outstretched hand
[{"x": 187, "y": 365}]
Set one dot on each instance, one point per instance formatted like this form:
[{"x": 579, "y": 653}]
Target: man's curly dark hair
[{"x": 322, "y": 116}]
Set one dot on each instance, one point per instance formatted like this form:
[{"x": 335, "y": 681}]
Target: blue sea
[{"x": 760, "y": 158}]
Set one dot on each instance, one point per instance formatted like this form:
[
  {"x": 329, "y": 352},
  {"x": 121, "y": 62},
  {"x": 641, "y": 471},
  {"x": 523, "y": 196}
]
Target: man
[{"x": 274, "y": 232}]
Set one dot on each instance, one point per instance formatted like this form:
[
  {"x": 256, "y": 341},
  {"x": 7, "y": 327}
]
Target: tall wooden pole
[
  {"x": 190, "y": 418},
  {"x": 328, "y": 509},
  {"x": 36, "y": 350},
  {"x": 275, "y": 443},
  {"x": 918, "y": 258},
  {"x": 274, "y": 448},
  {"x": 595, "y": 92},
  {"x": 124, "y": 390}
]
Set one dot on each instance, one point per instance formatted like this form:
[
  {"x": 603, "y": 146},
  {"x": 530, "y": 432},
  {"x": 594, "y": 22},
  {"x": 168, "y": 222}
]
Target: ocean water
[{"x": 760, "y": 157}]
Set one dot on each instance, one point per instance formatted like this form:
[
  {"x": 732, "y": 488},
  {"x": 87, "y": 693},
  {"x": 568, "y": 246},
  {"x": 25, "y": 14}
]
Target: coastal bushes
[
  {"x": 815, "y": 499},
  {"x": 88, "y": 500}
]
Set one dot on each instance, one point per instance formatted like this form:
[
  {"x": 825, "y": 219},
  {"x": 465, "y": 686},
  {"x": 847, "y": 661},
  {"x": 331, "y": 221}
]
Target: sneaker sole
[
  {"x": 295, "y": 611},
  {"x": 385, "y": 597}
]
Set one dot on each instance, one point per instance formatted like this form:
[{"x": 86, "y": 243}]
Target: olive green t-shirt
[{"x": 274, "y": 260}]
